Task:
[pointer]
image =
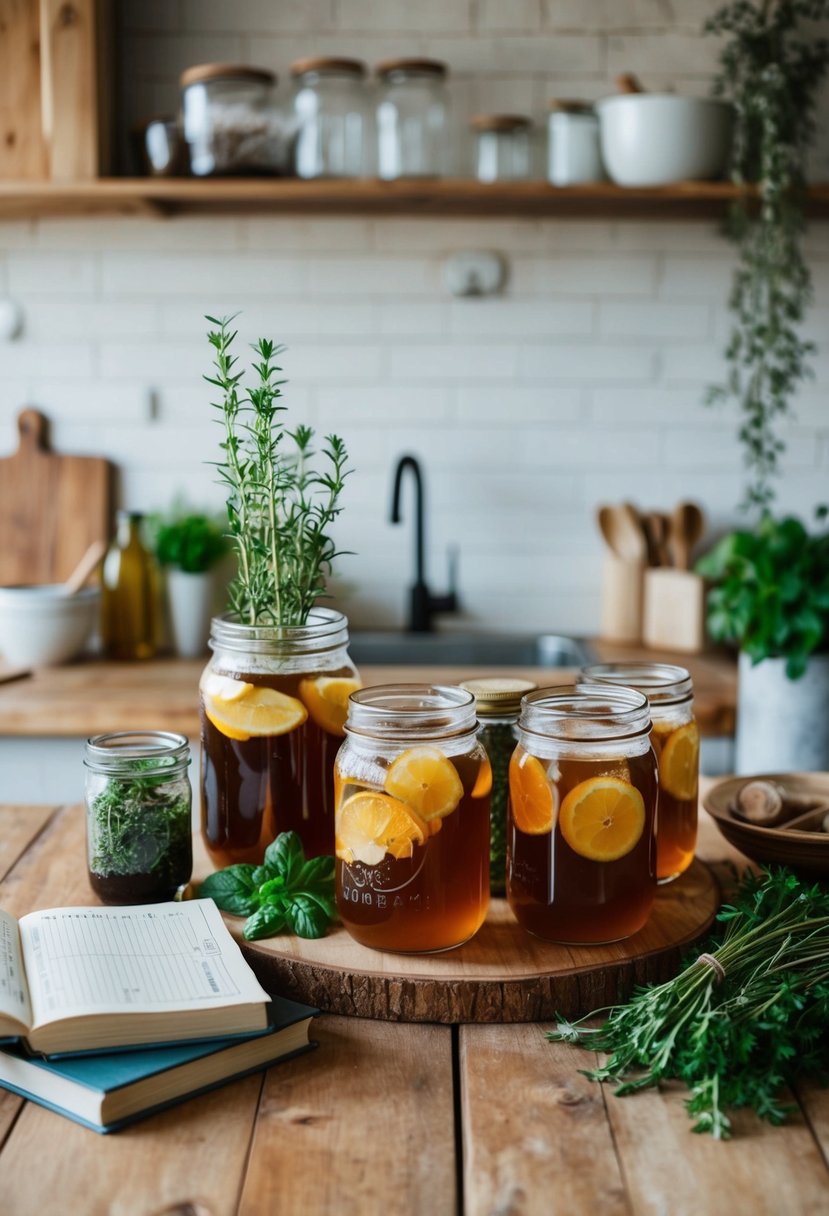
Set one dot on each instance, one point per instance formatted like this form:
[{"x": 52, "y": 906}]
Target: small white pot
[
  {"x": 190, "y": 601},
  {"x": 653, "y": 139},
  {"x": 782, "y": 724}
]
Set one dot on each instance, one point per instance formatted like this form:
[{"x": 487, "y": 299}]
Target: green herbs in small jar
[{"x": 138, "y": 807}]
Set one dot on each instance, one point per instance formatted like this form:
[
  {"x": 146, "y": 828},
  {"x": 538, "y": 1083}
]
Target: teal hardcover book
[{"x": 107, "y": 1091}]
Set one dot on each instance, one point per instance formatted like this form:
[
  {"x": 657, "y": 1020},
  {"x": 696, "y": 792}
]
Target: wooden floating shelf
[{"x": 439, "y": 197}]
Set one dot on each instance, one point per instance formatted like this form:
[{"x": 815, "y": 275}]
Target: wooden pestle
[{"x": 767, "y": 803}]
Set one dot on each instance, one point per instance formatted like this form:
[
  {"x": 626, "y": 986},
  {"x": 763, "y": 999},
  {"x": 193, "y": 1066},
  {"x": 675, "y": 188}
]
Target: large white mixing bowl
[
  {"x": 653, "y": 139},
  {"x": 42, "y": 625}
]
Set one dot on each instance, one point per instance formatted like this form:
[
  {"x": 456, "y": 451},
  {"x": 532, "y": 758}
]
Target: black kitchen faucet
[{"x": 422, "y": 604}]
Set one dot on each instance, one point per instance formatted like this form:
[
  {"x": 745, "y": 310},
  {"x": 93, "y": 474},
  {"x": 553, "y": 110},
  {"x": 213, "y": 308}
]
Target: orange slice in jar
[
  {"x": 256, "y": 713},
  {"x": 679, "y": 762},
  {"x": 224, "y": 688},
  {"x": 371, "y": 826},
  {"x": 326, "y": 698},
  {"x": 483, "y": 782},
  {"x": 427, "y": 781},
  {"x": 532, "y": 797},
  {"x": 602, "y": 818}
]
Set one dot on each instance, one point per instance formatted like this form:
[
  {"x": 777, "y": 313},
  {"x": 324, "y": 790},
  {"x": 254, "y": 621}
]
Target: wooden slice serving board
[{"x": 501, "y": 975}]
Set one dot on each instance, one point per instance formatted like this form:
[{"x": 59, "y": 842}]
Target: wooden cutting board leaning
[{"x": 52, "y": 507}]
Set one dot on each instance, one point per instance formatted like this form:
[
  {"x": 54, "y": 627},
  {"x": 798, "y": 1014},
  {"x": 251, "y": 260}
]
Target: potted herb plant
[
  {"x": 189, "y": 546},
  {"x": 771, "y": 598},
  {"x": 772, "y": 580}
]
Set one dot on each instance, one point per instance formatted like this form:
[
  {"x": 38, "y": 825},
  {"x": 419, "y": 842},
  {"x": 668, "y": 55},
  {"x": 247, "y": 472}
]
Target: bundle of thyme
[
  {"x": 279, "y": 507},
  {"x": 741, "y": 1021},
  {"x": 140, "y": 825}
]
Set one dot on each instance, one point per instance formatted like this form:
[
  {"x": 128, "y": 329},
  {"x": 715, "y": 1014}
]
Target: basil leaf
[
  {"x": 285, "y": 856},
  {"x": 274, "y": 886},
  {"x": 264, "y": 923},
  {"x": 316, "y": 874},
  {"x": 261, "y": 874},
  {"x": 232, "y": 889},
  {"x": 307, "y": 916}
]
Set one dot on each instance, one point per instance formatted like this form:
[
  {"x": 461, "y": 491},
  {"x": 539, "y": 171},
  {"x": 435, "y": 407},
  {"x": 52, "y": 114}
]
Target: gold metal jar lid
[
  {"x": 201, "y": 73},
  {"x": 500, "y": 122},
  {"x": 420, "y": 67},
  {"x": 496, "y": 695},
  {"x": 328, "y": 63}
]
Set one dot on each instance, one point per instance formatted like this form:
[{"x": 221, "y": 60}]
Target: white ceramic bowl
[
  {"x": 41, "y": 626},
  {"x": 653, "y": 139}
]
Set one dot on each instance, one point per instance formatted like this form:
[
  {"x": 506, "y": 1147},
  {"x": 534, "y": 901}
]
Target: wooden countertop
[
  {"x": 395, "y": 1118},
  {"x": 89, "y": 698}
]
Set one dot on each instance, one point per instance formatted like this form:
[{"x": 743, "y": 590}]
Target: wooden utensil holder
[
  {"x": 622, "y": 599},
  {"x": 674, "y": 610}
]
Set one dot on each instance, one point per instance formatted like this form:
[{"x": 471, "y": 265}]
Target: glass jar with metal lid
[
  {"x": 138, "y": 825},
  {"x": 675, "y": 738},
  {"x": 581, "y": 835},
  {"x": 412, "y": 786},
  {"x": 413, "y": 138},
  {"x": 573, "y": 149},
  {"x": 503, "y": 147},
  {"x": 230, "y": 122},
  {"x": 331, "y": 111},
  {"x": 497, "y": 703}
]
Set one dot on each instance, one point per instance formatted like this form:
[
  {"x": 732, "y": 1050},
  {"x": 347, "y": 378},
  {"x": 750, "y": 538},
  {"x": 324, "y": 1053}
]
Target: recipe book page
[
  {"x": 154, "y": 958},
  {"x": 14, "y": 992}
]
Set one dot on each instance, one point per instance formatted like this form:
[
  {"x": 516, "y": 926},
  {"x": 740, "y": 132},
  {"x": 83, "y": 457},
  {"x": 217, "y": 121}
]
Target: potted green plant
[
  {"x": 771, "y": 598},
  {"x": 189, "y": 546}
]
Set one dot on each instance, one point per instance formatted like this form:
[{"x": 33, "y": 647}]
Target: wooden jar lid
[
  {"x": 422, "y": 67},
  {"x": 500, "y": 122},
  {"x": 328, "y": 63},
  {"x": 203, "y": 72}
]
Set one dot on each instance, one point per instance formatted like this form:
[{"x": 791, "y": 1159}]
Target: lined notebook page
[
  {"x": 113, "y": 960},
  {"x": 14, "y": 995}
]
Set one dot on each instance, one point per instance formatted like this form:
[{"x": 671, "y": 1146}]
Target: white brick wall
[{"x": 582, "y": 383}]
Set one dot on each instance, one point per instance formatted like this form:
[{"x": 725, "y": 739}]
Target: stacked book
[{"x": 109, "y": 1014}]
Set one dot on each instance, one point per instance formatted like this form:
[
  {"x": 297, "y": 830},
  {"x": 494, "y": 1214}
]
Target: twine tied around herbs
[{"x": 715, "y": 965}]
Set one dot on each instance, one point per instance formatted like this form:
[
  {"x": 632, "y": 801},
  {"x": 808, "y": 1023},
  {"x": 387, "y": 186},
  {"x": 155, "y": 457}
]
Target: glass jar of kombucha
[
  {"x": 412, "y": 818},
  {"x": 581, "y": 838},
  {"x": 272, "y": 704},
  {"x": 675, "y": 738}
]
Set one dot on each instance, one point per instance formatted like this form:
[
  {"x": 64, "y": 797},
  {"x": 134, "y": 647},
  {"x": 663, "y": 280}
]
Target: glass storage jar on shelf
[
  {"x": 412, "y": 819},
  {"x": 503, "y": 147},
  {"x": 497, "y": 704},
  {"x": 573, "y": 149},
  {"x": 230, "y": 122},
  {"x": 675, "y": 738},
  {"x": 138, "y": 816},
  {"x": 581, "y": 840},
  {"x": 413, "y": 133},
  {"x": 332, "y": 116},
  {"x": 272, "y": 706}
]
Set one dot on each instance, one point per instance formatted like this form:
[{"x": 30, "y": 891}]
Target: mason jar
[
  {"x": 272, "y": 703},
  {"x": 675, "y": 739},
  {"x": 412, "y": 819},
  {"x": 503, "y": 147},
  {"x": 138, "y": 816},
  {"x": 497, "y": 704},
  {"x": 413, "y": 136},
  {"x": 331, "y": 112},
  {"x": 230, "y": 122},
  {"x": 581, "y": 838}
]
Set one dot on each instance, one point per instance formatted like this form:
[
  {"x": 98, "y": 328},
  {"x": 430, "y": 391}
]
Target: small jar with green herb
[
  {"x": 498, "y": 702},
  {"x": 138, "y": 816}
]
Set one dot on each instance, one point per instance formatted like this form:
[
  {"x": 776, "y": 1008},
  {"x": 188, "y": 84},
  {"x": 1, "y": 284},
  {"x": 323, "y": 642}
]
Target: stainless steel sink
[{"x": 468, "y": 650}]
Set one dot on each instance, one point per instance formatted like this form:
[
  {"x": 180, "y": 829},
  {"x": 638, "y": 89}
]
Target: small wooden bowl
[{"x": 806, "y": 852}]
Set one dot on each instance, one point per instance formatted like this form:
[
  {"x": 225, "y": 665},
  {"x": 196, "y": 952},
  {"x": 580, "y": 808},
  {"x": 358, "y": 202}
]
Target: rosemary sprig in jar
[{"x": 280, "y": 508}]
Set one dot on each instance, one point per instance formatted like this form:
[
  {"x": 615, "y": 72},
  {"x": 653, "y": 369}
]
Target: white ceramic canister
[{"x": 573, "y": 146}]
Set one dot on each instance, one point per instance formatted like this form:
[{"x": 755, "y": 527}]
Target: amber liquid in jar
[
  {"x": 269, "y": 739},
  {"x": 412, "y": 841},
  {"x": 581, "y": 838},
  {"x": 675, "y": 739}
]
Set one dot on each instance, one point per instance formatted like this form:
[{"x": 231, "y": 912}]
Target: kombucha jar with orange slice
[
  {"x": 581, "y": 835},
  {"x": 675, "y": 738},
  {"x": 273, "y": 703},
  {"x": 412, "y": 819}
]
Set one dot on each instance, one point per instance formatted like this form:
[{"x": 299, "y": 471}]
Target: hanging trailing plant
[{"x": 771, "y": 69}]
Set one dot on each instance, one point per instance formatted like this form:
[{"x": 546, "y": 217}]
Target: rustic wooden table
[{"x": 394, "y": 1118}]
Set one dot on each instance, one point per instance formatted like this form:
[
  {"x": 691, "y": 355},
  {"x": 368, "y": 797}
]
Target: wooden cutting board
[
  {"x": 52, "y": 507},
  {"x": 501, "y": 975}
]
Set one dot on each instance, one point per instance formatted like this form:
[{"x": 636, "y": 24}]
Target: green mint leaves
[{"x": 287, "y": 893}]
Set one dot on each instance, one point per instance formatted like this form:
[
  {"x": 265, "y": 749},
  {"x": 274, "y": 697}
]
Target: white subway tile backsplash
[
  {"x": 459, "y": 361},
  {"x": 586, "y": 275},
  {"x": 34, "y": 273},
  {"x": 521, "y": 318},
  {"x": 370, "y": 276},
  {"x": 650, "y": 320},
  {"x": 529, "y": 403},
  {"x": 587, "y": 361},
  {"x": 255, "y": 16},
  {"x": 211, "y": 277}
]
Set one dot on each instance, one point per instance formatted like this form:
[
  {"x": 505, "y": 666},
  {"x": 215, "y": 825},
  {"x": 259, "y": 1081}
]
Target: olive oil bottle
[{"x": 129, "y": 594}]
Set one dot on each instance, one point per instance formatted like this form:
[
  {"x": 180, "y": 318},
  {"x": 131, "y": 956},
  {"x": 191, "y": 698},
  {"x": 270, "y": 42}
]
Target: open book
[{"x": 88, "y": 979}]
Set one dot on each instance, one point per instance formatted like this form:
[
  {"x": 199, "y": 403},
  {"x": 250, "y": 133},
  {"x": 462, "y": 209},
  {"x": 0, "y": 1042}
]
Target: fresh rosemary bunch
[
  {"x": 279, "y": 507},
  {"x": 771, "y": 68},
  {"x": 740, "y": 1021}
]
